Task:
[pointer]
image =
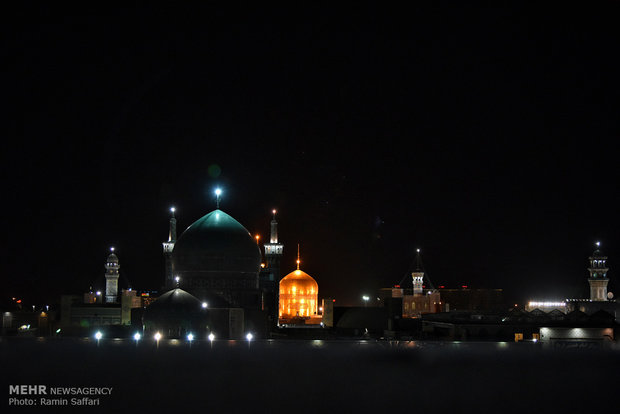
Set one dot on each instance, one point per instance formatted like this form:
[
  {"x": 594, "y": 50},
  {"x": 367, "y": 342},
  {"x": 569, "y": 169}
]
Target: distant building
[
  {"x": 97, "y": 309},
  {"x": 555, "y": 328},
  {"x": 416, "y": 301},
  {"x": 568, "y": 323},
  {"x": 600, "y": 299}
]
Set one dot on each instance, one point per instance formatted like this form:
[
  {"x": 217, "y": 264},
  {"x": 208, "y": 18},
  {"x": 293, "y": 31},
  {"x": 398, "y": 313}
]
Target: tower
[
  {"x": 271, "y": 274},
  {"x": 111, "y": 277},
  {"x": 274, "y": 250},
  {"x": 168, "y": 247},
  {"x": 598, "y": 275},
  {"x": 418, "y": 275}
]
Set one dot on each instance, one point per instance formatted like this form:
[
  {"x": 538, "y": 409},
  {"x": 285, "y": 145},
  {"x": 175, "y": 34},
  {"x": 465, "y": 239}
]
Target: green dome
[{"x": 213, "y": 248}]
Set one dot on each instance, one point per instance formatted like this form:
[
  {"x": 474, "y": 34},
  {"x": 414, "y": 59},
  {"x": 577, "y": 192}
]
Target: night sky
[{"x": 486, "y": 136}]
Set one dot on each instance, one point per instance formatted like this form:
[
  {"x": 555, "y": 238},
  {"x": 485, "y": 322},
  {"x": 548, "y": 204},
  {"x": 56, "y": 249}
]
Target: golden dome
[
  {"x": 301, "y": 279},
  {"x": 298, "y": 295}
]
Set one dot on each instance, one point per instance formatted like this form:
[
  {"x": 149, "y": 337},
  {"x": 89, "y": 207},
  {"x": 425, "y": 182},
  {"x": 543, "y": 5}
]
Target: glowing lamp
[
  {"x": 137, "y": 336},
  {"x": 98, "y": 335}
]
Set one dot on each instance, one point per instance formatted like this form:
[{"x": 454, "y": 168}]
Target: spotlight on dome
[
  {"x": 172, "y": 209},
  {"x": 218, "y": 192},
  {"x": 417, "y": 250},
  {"x": 598, "y": 244},
  {"x": 112, "y": 249},
  {"x": 274, "y": 211}
]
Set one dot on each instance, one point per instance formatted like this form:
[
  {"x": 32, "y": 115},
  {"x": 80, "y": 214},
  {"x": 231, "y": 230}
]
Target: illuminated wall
[{"x": 298, "y": 295}]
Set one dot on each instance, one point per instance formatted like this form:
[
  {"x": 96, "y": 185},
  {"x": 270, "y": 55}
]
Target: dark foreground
[{"x": 316, "y": 376}]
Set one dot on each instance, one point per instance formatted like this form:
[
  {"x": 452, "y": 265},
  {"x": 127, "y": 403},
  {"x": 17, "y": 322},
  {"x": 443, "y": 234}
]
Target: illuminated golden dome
[{"x": 298, "y": 295}]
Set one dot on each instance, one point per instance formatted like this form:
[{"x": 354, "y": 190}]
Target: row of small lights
[{"x": 158, "y": 336}]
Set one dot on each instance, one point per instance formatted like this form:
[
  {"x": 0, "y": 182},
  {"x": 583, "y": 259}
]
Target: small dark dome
[
  {"x": 216, "y": 243},
  {"x": 175, "y": 300},
  {"x": 112, "y": 258},
  {"x": 174, "y": 314}
]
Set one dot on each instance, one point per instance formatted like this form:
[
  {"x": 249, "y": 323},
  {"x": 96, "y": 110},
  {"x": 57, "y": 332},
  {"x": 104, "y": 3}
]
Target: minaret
[
  {"x": 418, "y": 275},
  {"x": 111, "y": 277},
  {"x": 598, "y": 275},
  {"x": 168, "y": 247},
  {"x": 274, "y": 250}
]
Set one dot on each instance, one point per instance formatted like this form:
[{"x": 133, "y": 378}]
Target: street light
[
  {"x": 190, "y": 338},
  {"x": 366, "y": 299},
  {"x": 211, "y": 338},
  {"x": 249, "y": 337},
  {"x": 157, "y": 338},
  {"x": 98, "y": 336},
  {"x": 137, "y": 337},
  {"x": 204, "y": 305},
  {"x": 177, "y": 279}
]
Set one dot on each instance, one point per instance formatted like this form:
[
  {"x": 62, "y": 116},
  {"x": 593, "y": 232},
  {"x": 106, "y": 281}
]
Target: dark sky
[{"x": 486, "y": 136}]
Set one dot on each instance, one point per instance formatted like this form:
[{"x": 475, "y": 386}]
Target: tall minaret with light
[
  {"x": 168, "y": 247},
  {"x": 598, "y": 275},
  {"x": 111, "y": 277},
  {"x": 418, "y": 276},
  {"x": 273, "y": 249}
]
